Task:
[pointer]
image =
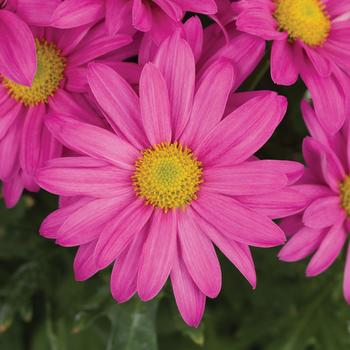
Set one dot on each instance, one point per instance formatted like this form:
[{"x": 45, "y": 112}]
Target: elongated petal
[
  {"x": 328, "y": 250},
  {"x": 72, "y": 13},
  {"x": 12, "y": 191},
  {"x": 199, "y": 256},
  {"x": 324, "y": 212},
  {"x": 119, "y": 101},
  {"x": 118, "y": 235},
  {"x": 93, "y": 141},
  {"x": 284, "y": 69},
  {"x": 158, "y": 254},
  {"x": 124, "y": 274},
  {"x": 209, "y": 102},
  {"x": 74, "y": 176},
  {"x": 84, "y": 264},
  {"x": 237, "y": 253},
  {"x": 243, "y": 132},
  {"x": 189, "y": 299},
  {"x": 141, "y": 16},
  {"x": 204, "y": 6},
  {"x": 244, "y": 179},
  {"x": 237, "y": 222},
  {"x": 155, "y": 106},
  {"x": 17, "y": 49},
  {"x": 301, "y": 244},
  {"x": 176, "y": 62}
]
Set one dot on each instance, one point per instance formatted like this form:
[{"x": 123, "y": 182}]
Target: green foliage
[{"x": 43, "y": 308}]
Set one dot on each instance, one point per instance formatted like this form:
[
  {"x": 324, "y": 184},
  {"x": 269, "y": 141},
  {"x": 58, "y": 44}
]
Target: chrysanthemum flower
[
  {"x": 156, "y": 16},
  {"x": 58, "y": 59},
  {"x": 171, "y": 180},
  {"x": 322, "y": 229},
  {"x": 310, "y": 38}
]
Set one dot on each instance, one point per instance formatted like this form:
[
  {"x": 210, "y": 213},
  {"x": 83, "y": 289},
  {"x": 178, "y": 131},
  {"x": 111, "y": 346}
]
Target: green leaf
[{"x": 133, "y": 326}]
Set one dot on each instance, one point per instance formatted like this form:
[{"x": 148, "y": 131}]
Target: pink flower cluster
[{"x": 128, "y": 110}]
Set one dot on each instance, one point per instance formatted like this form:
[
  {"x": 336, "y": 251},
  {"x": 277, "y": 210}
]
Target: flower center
[
  {"x": 167, "y": 176},
  {"x": 345, "y": 195},
  {"x": 49, "y": 74},
  {"x": 306, "y": 20}
]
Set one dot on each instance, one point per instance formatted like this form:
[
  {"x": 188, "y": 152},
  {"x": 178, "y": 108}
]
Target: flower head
[
  {"x": 174, "y": 176},
  {"x": 309, "y": 39},
  {"x": 322, "y": 228},
  {"x": 45, "y": 70}
]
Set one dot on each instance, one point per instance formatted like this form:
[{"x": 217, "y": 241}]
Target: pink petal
[
  {"x": 10, "y": 110},
  {"x": 84, "y": 265},
  {"x": 158, "y": 254},
  {"x": 284, "y": 70},
  {"x": 155, "y": 106},
  {"x": 209, "y": 102},
  {"x": 324, "y": 212},
  {"x": 239, "y": 254},
  {"x": 72, "y": 13},
  {"x": 237, "y": 222},
  {"x": 31, "y": 139},
  {"x": 87, "y": 222},
  {"x": 199, "y": 256},
  {"x": 12, "y": 191},
  {"x": 249, "y": 178},
  {"x": 118, "y": 234},
  {"x": 93, "y": 141},
  {"x": 119, "y": 102},
  {"x": 189, "y": 299},
  {"x": 29, "y": 11},
  {"x": 328, "y": 251},
  {"x": 124, "y": 274},
  {"x": 204, "y": 6},
  {"x": 243, "y": 132},
  {"x": 194, "y": 35},
  {"x": 17, "y": 49},
  {"x": 141, "y": 16},
  {"x": 303, "y": 243},
  {"x": 320, "y": 63},
  {"x": 278, "y": 204},
  {"x": 176, "y": 62}
]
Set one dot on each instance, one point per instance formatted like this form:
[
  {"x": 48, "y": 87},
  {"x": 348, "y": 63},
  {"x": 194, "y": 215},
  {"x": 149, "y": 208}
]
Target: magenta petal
[
  {"x": 284, "y": 69},
  {"x": 176, "y": 62},
  {"x": 119, "y": 102},
  {"x": 243, "y": 132},
  {"x": 17, "y": 49},
  {"x": 324, "y": 212},
  {"x": 84, "y": 264},
  {"x": 93, "y": 141},
  {"x": 249, "y": 178},
  {"x": 158, "y": 254},
  {"x": 124, "y": 274},
  {"x": 209, "y": 102},
  {"x": 204, "y": 6},
  {"x": 237, "y": 222},
  {"x": 239, "y": 254},
  {"x": 303, "y": 243},
  {"x": 155, "y": 106},
  {"x": 118, "y": 234},
  {"x": 141, "y": 16},
  {"x": 189, "y": 299},
  {"x": 328, "y": 251},
  {"x": 72, "y": 13},
  {"x": 12, "y": 191},
  {"x": 199, "y": 256}
]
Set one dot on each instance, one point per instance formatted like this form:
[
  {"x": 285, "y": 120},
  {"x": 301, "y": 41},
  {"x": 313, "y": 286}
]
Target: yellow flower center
[
  {"x": 167, "y": 176},
  {"x": 345, "y": 195},
  {"x": 306, "y": 20},
  {"x": 49, "y": 74}
]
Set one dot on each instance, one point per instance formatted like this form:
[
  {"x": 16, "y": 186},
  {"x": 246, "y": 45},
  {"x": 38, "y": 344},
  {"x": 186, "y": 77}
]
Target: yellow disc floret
[
  {"x": 49, "y": 74},
  {"x": 306, "y": 20},
  {"x": 167, "y": 176},
  {"x": 345, "y": 195}
]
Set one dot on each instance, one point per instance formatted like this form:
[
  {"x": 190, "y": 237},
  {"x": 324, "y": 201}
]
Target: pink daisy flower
[
  {"x": 159, "y": 17},
  {"x": 310, "y": 38},
  {"x": 322, "y": 229},
  {"x": 55, "y": 63},
  {"x": 172, "y": 179}
]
